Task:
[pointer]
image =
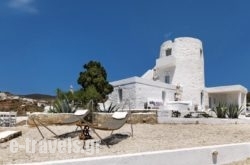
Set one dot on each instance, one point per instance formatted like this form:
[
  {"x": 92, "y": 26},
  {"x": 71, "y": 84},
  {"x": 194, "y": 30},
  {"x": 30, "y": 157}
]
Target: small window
[
  {"x": 201, "y": 52},
  {"x": 175, "y": 97},
  {"x": 202, "y": 98},
  {"x": 120, "y": 95},
  {"x": 168, "y": 52},
  {"x": 167, "y": 79},
  {"x": 210, "y": 102},
  {"x": 163, "y": 95}
]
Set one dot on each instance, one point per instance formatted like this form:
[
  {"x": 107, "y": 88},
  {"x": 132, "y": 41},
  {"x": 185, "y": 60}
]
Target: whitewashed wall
[
  {"x": 189, "y": 70},
  {"x": 228, "y": 98},
  {"x": 208, "y": 155},
  {"x": 138, "y": 90},
  {"x": 186, "y": 68}
]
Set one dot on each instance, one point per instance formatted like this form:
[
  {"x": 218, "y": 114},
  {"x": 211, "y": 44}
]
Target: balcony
[{"x": 165, "y": 62}]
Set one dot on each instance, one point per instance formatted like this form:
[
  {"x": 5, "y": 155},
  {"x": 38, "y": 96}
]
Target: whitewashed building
[
  {"x": 176, "y": 79},
  {"x": 3, "y": 96}
]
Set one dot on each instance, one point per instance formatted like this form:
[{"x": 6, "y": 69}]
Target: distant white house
[
  {"x": 3, "y": 96},
  {"x": 177, "y": 77}
]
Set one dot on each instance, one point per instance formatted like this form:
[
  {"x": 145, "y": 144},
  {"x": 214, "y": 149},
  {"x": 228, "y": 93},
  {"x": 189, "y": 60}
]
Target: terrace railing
[{"x": 8, "y": 119}]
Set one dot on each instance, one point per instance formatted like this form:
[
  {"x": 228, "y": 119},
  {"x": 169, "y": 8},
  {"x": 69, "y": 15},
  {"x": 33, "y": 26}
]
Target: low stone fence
[
  {"x": 136, "y": 117},
  {"x": 48, "y": 118},
  {"x": 149, "y": 117},
  {"x": 58, "y": 118}
]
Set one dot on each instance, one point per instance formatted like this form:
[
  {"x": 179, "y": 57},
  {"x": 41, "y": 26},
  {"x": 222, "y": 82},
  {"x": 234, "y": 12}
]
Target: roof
[
  {"x": 139, "y": 80},
  {"x": 226, "y": 89}
]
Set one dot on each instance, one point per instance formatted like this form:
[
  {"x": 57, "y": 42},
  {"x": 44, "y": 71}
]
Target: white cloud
[{"x": 23, "y": 5}]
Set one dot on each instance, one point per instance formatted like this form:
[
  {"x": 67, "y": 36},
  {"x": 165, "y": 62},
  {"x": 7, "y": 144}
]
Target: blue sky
[{"x": 44, "y": 43}]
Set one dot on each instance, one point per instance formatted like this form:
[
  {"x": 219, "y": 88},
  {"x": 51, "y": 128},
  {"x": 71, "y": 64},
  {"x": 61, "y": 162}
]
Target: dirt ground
[{"x": 146, "y": 137}]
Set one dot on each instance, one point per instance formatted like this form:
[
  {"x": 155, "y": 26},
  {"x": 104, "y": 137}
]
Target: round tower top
[
  {"x": 167, "y": 46},
  {"x": 188, "y": 39},
  {"x": 184, "y": 39}
]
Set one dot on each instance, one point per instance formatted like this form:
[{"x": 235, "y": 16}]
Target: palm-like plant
[
  {"x": 234, "y": 111},
  {"x": 220, "y": 110},
  {"x": 111, "y": 108}
]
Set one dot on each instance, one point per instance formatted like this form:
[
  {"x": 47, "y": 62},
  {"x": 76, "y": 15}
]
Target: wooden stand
[{"x": 84, "y": 131}]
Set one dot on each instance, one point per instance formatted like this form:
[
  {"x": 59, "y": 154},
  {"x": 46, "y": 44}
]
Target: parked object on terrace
[
  {"x": 118, "y": 120},
  {"x": 8, "y": 135},
  {"x": 8, "y": 119}
]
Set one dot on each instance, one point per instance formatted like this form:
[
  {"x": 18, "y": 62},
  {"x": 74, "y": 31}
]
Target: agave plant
[
  {"x": 234, "y": 111},
  {"x": 110, "y": 109},
  {"x": 220, "y": 110},
  {"x": 63, "y": 106}
]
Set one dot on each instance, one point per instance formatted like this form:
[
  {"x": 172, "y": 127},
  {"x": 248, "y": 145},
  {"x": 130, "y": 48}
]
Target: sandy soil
[
  {"x": 146, "y": 137},
  {"x": 244, "y": 162}
]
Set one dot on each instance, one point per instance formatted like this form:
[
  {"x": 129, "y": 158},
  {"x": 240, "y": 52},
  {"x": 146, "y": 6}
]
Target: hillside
[
  {"x": 24, "y": 103},
  {"x": 38, "y": 96},
  {"x": 20, "y": 106}
]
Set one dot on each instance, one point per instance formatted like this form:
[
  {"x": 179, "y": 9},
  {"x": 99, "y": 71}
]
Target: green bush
[
  {"x": 231, "y": 111},
  {"x": 176, "y": 114},
  {"x": 188, "y": 115}
]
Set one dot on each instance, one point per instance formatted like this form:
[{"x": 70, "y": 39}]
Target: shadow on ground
[{"x": 114, "y": 139}]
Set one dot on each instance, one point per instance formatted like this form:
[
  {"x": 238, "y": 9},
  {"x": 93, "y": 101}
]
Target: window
[
  {"x": 167, "y": 79},
  {"x": 163, "y": 95},
  {"x": 210, "y": 102},
  {"x": 175, "y": 97},
  {"x": 202, "y": 97},
  {"x": 201, "y": 52},
  {"x": 168, "y": 52},
  {"x": 120, "y": 95}
]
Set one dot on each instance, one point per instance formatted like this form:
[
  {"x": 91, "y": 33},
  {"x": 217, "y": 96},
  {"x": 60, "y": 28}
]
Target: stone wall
[
  {"x": 149, "y": 117},
  {"x": 58, "y": 118},
  {"x": 49, "y": 118}
]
